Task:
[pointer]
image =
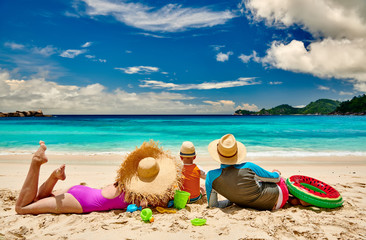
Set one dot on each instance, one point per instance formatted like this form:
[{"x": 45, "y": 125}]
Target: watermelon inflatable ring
[{"x": 314, "y": 191}]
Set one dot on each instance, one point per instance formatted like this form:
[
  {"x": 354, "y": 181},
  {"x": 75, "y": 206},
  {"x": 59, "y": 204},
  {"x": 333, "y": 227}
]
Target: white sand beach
[{"x": 346, "y": 174}]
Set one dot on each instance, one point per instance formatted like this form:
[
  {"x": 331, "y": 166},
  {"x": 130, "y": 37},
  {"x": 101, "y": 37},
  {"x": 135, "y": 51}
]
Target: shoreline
[{"x": 116, "y": 159}]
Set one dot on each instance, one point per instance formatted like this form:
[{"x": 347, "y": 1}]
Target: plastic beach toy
[
  {"x": 133, "y": 207},
  {"x": 314, "y": 191},
  {"x": 198, "y": 221},
  {"x": 146, "y": 215},
  {"x": 165, "y": 210},
  {"x": 180, "y": 199}
]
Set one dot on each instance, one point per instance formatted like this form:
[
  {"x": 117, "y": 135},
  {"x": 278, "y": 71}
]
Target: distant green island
[{"x": 355, "y": 106}]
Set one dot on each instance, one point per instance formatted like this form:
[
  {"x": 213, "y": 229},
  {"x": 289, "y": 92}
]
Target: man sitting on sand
[
  {"x": 148, "y": 176},
  {"x": 245, "y": 184}
]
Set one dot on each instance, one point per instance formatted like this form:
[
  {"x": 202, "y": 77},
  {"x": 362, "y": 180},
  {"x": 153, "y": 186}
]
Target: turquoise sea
[{"x": 262, "y": 135}]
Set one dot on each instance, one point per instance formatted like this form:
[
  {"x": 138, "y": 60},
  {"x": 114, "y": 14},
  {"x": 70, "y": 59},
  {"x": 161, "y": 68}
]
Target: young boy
[{"x": 191, "y": 172}]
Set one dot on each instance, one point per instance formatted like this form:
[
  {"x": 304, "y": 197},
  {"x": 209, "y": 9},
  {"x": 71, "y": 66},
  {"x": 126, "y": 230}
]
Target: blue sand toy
[{"x": 133, "y": 207}]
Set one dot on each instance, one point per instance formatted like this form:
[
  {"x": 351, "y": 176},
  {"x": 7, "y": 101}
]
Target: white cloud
[
  {"x": 169, "y": 18},
  {"x": 339, "y": 29},
  {"x": 53, "y": 98},
  {"x": 94, "y": 58},
  {"x": 72, "y": 53},
  {"x": 247, "y": 106},
  {"x": 139, "y": 69},
  {"x": 69, "y": 14},
  {"x": 346, "y": 93},
  {"x": 201, "y": 86},
  {"x": 46, "y": 51},
  {"x": 35, "y": 64},
  {"x": 323, "y": 88},
  {"x": 229, "y": 105},
  {"x": 152, "y": 35},
  {"x": 221, "y": 103},
  {"x": 360, "y": 86},
  {"x": 327, "y": 58},
  {"x": 275, "y": 83},
  {"x": 247, "y": 58},
  {"x": 14, "y": 46},
  {"x": 223, "y": 57},
  {"x": 330, "y": 18},
  {"x": 300, "y": 106},
  {"x": 87, "y": 44},
  {"x": 217, "y": 47}
]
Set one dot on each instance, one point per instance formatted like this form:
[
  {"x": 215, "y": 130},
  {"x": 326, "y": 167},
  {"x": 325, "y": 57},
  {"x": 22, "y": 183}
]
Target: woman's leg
[
  {"x": 45, "y": 190},
  {"x": 28, "y": 192},
  {"x": 62, "y": 203}
]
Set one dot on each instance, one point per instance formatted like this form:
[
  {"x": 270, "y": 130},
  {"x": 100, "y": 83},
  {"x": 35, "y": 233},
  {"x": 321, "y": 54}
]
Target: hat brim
[
  {"x": 160, "y": 184},
  {"x": 236, "y": 159},
  {"x": 158, "y": 190}
]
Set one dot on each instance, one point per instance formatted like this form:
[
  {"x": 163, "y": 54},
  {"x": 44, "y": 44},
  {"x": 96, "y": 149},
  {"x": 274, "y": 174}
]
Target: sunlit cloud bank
[
  {"x": 200, "y": 86},
  {"x": 339, "y": 30},
  {"x": 53, "y": 98},
  {"x": 169, "y": 18},
  {"x": 249, "y": 107}
]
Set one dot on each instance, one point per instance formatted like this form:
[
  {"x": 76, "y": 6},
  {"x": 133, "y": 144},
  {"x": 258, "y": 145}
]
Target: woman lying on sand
[
  {"x": 148, "y": 176},
  {"x": 245, "y": 184}
]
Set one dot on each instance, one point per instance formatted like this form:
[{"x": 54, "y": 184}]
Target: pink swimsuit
[
  {"x": 284, "y": 190},
  {"x": 92, "y": 200}
]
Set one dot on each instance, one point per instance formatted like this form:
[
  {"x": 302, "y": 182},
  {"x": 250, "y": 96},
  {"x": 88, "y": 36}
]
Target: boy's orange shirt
[{"x": 191, "y": 179}]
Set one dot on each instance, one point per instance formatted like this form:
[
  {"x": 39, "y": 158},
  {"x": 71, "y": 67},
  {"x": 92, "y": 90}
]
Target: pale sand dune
[{"x": 346, "y": 174}]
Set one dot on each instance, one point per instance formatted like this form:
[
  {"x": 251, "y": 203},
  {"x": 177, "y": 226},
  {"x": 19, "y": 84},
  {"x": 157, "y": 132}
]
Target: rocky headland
[{"x": 38, "y": 113}]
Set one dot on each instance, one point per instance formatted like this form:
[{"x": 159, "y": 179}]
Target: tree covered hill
[
  {"x": 319, "y": 107},
  {"x": 357, "y": 105}
]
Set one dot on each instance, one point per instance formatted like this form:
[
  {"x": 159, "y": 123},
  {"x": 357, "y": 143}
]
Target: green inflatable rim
[{"x": 312, "y": 199}]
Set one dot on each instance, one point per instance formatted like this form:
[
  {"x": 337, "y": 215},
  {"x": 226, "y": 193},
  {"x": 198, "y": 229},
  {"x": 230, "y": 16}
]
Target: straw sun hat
[
  {"x": 149, "y": 173},
  {"x": 187, "y": 149},
  {"x": 227, "y": 150}
]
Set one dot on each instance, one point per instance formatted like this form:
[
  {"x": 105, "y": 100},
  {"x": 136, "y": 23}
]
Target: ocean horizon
[{"x": 285, "y": 135}]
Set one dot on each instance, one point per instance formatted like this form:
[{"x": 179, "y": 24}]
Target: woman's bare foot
[
  {"x": 40, "y": 156},
  {"x": 59, "y": 173},
  {"x": 295, "y": 202},
  {"x": 305, "y": 204}
]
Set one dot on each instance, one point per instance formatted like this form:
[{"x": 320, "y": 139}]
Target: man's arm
[
  {"x": 213, "y": 202},
  {"x": 263, "y": 174}
]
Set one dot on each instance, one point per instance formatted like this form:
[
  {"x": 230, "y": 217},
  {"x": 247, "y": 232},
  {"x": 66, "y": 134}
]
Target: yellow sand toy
[{"x": 165, "y": 210}]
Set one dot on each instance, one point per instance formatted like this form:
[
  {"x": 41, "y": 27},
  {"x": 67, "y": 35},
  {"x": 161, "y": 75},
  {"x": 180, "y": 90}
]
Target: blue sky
[{"x": 179, "y": 57}]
